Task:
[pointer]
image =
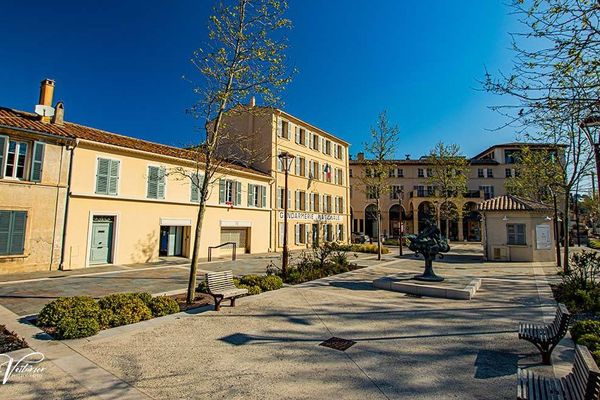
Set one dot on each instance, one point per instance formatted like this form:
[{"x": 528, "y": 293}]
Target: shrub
[
  {"x": 203, "y": 287},
  {"x": 369, "y": 248},
  {"x": 252, "y": 290},
  {"x": 590, "y": 340},
  {"x": 78, "y": 307},
  {"x": 271, "y": 282},
  {"x": 584, "y": 327},
  {"x": 163, "y": 305},
  {"x": 124, "y": 309},
  {"x": 143, "y": 296},
  {"x": 251, "y": 280},
  {"x": 73, "y": 328},
  {"x": 594, "y": 244}
]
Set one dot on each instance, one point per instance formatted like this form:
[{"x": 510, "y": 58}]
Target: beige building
[
  {"x": 515, "y": 229},
  {"x": 318, "y": 181},
  {"x": 129, "y": 200},
  {"x": 411, "y": 199}
]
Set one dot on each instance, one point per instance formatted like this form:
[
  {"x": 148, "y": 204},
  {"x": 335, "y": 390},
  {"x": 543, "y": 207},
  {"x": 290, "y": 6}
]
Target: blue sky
[{"x": 118, "y": 66}]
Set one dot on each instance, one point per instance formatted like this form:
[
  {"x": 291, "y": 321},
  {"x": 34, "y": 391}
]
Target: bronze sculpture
[{"x": 429, "y": 243}]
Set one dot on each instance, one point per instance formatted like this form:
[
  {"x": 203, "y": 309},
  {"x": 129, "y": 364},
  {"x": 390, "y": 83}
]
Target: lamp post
[
  {"x": 399, "y": 193},
  {"x": 591, "y": 121},
  {"x": 286, "y": 159},
  {"x": 556, "y": 230}
]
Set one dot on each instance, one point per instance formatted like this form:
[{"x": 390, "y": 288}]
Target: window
[
  {"x": 300, "y": 166},
  {"x": 339, "y": 176},
  {"x": 283, "y": 128},
  {"x": 395, "y": 192},
  {"x": 281, "y": 230},
  {"x": 350, "y": 172},
  {"x": 511, "y": 156},
  {"x": 490, "y": 173},
  {"x": 257, "y": 196},
  {"x": 480, "y": 173},
  {"x": 508, "y": 172},
  {"x": 230, "y": 192},
  {"x": 107, "y": 176},
  {"x": 279, "y": 163},
  {"x": 368, "y": 172},
  {"x": 327, "y": 173},
  {"x": 400, "y": 173},
  {"x": 300, "y": 200},
  {"x": 488, "y": 191},
  {"x": 516, "y": 234},
  {"x": 16, "y": 156},
  {"x": 195, "y": 187},
  {"x": 328, "y": 147},
  {"x": 339, "y": 205},
  {"x": 18, "y": 161},
  {"x": 156, "y": 183},
  {"x": 391, "y": 173},
  {"x": 327, "y": 203},
  {"x": 372, "y": 192},
  {"x": 328, "y": 232},
  {"x": 12, "y": 232},
  {"x": 300, "y": 233},
  {"x": 314, "y": 142},
  {"x": 429, "y": 172},
  {"x": 421, "y": 173},
  {"x": 313, "y": 200},
  {"x": 340, "y": 233},
  {"x": 300, "y": 136}
]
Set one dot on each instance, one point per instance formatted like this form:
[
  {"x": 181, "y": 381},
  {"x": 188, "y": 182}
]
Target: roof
[
  {"x": 517, "y": 145},
  {"x": 16, "y": 119},
  {"x": 510, "y": 202}
]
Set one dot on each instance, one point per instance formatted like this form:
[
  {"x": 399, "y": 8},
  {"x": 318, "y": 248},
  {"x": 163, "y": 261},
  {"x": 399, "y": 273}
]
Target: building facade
[
  {"x": 74, "y": 196},
  {"x": 318, "y": 198},
  {"x": 410, "y": 199}
]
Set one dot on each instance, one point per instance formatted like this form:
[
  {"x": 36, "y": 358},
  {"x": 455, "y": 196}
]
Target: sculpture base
[{"x": 428, "y": 278}]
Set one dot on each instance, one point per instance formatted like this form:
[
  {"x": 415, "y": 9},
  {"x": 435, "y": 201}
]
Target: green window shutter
[
  {"x": 5, "y": 217},
  {"x": 17, "y": 237},
  {"x": 3, "y": 144},
  {"x": 263, "y": 192},
  {"x": 102, "y": 176},
  {"x": 221, "y": 191},
  {"x": 195, "y": 188},
  {"x": 113, "y": 177},
  {"x": 161, "y": 183},
  {"x": 152, "y": 183},
  {"x": 238, "y": 193},
  {"x": 250, "y": 195},
  {"x": 37, "y": 161}
]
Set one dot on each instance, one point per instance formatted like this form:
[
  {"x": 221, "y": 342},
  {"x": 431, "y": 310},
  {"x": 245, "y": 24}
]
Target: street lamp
[
  {"x": 400, "y": 193},
  {"x": 593, "y": 120},
  {"x": 286, "y": 159}
]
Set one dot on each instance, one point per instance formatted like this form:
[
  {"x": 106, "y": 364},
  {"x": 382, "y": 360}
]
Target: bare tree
[
  {"x": 380, "y": 150},
  {"x": 449, "y": 171},
  {"x": 244, "y": 55}
]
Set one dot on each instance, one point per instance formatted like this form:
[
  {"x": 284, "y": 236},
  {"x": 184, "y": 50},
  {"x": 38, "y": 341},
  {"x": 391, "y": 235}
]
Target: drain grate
[{"x": 337, "y": 343}]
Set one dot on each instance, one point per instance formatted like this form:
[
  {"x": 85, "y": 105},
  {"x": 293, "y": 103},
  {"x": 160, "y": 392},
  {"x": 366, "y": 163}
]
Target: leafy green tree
[
  {"x": 449, "y": 171},
  {"x": 244, "y": 55},
  {"x": 537, "y": 176},
  {"x": 380, "y": 150}
]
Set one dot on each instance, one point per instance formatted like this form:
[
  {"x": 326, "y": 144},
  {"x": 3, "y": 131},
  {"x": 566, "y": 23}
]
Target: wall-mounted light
[
  {"x": 548, "y": 218},
  {"x": 505, "y": 218}
]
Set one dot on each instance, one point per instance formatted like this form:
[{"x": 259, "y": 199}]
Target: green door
[{"x": 101, "y": 246}]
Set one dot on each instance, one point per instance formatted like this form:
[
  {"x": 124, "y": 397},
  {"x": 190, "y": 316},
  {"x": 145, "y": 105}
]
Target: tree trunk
[
  {"x": 191, "y": 291},
  {"x": 566, "y": 268}
]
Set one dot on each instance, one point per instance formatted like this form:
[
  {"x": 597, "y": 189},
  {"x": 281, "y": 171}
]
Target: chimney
[
  {"x": 252, "y": 102},
  {"x": 44, "y": 106},
  {"x": 407, "y": 156},
  {"x": 59, "y": 114},
  {"x": 360, "y": 156}
]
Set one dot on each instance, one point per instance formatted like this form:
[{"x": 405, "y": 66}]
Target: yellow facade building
[{"x": 318, "y": 180}]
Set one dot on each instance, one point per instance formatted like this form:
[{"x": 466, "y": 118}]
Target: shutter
[
  {"x": 250, "y": 195},
  {"x": 279, "y": 198},
  {"x": 263, "y": 192},
  {"x": 297, "y": 134},
  {"x": 113, "y": 177},
  {"x": 310, "y": 139},
  {"x": 298, "y": 165},
  {"x": 102, "y": 176},
  {"x": 289, "y": 130},
  {"x": 4, "y": 231},
  {"x": 279, "y": 127},
  {"x": 289, "y": 199},
  {"x": 37, "y": 161},
  {"x": 296, "y": 233},
  {"x": 160, "y": 190},
  {"x": 221, "y": 191},
  {"x": 17, "y": 234},
  {"x": 152, "y": 182},
  {"x": 238, "y": 193},
  {"x": 297, "y": 200},
  {"x": 195, "y": 188},
  {"x": 3, "y": 145}
]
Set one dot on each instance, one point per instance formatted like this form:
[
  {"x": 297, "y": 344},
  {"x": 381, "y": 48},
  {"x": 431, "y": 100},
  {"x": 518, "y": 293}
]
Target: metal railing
[{"x": 233, "y": 255}]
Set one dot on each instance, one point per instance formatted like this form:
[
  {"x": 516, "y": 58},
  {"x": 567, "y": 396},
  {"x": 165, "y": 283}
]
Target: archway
[
  {"x": 397, "y": 215},
  {"x": 371, "y": 224},
  {"x": 426, "y": 211},
  {"x": 471, "y": 222},
  {"x": 449, "y": 216}
]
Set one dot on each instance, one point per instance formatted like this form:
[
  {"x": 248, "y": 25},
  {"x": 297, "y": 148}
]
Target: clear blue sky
[{"x": 118, "y": 65}]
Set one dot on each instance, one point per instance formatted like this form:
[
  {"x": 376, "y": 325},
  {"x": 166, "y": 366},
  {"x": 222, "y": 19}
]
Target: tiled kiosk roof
[
  {"x": 511, "y": 203},
  {"x": 16, "y": 119}
]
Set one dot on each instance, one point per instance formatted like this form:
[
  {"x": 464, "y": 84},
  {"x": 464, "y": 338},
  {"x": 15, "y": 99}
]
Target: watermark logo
[{"x": 25, "y": 365}]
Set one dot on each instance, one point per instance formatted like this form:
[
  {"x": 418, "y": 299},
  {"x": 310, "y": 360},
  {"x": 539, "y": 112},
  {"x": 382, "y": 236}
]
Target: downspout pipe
[{"x": 61, "y": 266}]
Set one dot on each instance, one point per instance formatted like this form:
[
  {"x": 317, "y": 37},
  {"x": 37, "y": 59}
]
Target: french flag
[{"x": 328, "y": 171}]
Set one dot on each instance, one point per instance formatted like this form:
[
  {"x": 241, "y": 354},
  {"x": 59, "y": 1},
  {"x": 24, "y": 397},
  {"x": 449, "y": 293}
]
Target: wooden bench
[
  {"x": 582, "y": 383},
  {"x": 546, "y": 337},
  {"x": 220, "y": 286}
]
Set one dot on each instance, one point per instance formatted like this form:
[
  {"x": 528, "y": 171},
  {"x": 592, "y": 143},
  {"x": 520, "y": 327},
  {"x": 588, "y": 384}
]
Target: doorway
[
  {"x": 315, "y": 234},
  {"x": 102, "y": 240},
  {"x": 171, "y": 241}
]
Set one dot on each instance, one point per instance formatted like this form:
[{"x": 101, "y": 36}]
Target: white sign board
[
  {"x": 309, "y": 216},
  {"x": 542, "y": 237}
]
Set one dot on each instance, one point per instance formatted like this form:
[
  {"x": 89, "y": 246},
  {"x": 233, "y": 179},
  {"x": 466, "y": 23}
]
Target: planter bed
[{"x": 9, "y": 341}]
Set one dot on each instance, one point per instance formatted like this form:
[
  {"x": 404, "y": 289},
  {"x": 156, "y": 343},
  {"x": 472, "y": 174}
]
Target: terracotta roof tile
[
  {"x": 511, "y": 203},
  {"x": 23, "y": 120}
]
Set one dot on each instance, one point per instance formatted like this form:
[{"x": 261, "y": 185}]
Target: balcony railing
[{"x": 470, "y": 194}]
